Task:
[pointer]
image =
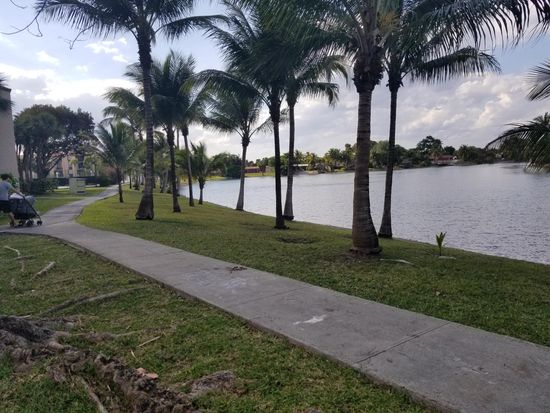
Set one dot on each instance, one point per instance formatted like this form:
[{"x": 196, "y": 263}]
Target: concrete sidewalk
[{"x": 445, "y": 365}]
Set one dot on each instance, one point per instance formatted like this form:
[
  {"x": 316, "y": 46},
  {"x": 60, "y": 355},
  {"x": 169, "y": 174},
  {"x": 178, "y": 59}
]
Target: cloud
[
  {"x": 82, "y": 68},
  {"x": 106, "y": 46},
  {"x": 46, "y": 58},
  {"x": 120, "y": 58},
  {"x": 123, "y": 41},
  {"x": 52, "y": 87},
  {"x": 5, "y": 41}
]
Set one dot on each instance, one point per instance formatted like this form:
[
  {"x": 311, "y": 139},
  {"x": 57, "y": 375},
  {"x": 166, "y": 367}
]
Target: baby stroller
[{"x": 23, "y": 210}]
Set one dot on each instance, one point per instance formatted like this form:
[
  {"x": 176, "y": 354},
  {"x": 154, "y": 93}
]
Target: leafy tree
[
  {"x": 45, "y": 134},
  {"x": 145, "y": 19},
  {"x": 115, "y": 144},
  {"x": 449, "y": 150},
  {"x": 228, "y": 165}
]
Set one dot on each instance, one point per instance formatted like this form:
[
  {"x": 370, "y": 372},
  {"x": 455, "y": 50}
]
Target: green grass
[
  {"x": 55, "y": 199},
  {"x": 496, "y": 294},
  {"x": 196, "y": 340}
]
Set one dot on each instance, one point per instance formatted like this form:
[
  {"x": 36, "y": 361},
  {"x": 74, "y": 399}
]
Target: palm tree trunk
[
  {"x": 275, "y": 112},
  {"x": 201, "y": 187},
  {"x": 240, "y": 201},
  {"x": 385, "y": 227},
  {"x": 119, "y": 181},
  {"x": 170, "y": 137},
  {"x": 289, "y": 213},
  {"x": 365, "y": 240},
  {"x": 189, "y": 171},
  {"x": 146, "y": 206}
]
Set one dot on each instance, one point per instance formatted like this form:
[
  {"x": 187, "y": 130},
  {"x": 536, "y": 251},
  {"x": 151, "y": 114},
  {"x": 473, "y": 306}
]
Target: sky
[{"x": 41, "y": 67}]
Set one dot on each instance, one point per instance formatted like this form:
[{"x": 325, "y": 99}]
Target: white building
[{"x": 8, "y": 159}]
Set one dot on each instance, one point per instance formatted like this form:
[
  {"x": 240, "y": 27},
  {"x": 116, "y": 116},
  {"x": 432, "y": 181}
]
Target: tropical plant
[
  {"x": 257, "y": 58},
  {"x": 115, "y": 144},
  {"x": 364, "y": 27},
  {"x": 238, "y": 111},
  {"x": 426, "y": 57},
  {"x": 310, "y": 77},
  {"x": 531, "y": 138},
  {"x": 440, "y": 238},
  {"x": 145, "y": 19},
  {"x": 201, "y": 166}
]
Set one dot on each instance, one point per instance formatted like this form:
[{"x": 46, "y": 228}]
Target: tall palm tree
[
  {"x": 310, "y": 78},
  {"x": 201, "y": 166},
  {"x": 144, "y": 19},
  {"x": 364, "y": 27},
  {"x": 193, "y": 111},
  {"x": 115, "y": 144},
  {"x": 237, "y": 111},
  {"x": 170, "y": 102},
  {"x": 426, "y": 59},
  {"x": 256, "y": 54}
]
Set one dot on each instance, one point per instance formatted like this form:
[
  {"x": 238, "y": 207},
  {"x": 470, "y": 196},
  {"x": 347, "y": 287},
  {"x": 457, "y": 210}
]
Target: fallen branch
[
  {"x": 149, "y": 341},
  {"x": 45, "y": 269},
  {"x": 93, "y": 396},
  {"x": 13, "y": 249},
  {"x": 86, "y": 300}
]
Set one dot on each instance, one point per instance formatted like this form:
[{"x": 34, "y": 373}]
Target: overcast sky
[{"x": 44, "y": 69}]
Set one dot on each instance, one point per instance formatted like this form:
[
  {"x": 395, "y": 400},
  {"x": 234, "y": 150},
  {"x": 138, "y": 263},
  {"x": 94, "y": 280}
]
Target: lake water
[{"x": 495, "y": 209}]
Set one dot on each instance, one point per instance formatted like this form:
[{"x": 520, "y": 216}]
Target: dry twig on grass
[
  {"x": 45, "y": 269},
  {"x": 12, "y": 249},
  {"x": 87, "y": 300},
  {"x": 149, "y": 341}
]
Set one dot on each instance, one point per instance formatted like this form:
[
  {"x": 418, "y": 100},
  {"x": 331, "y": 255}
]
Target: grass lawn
[
  {"x": 55, "y": 199},
  {"x": 496, "y": 294},
  {"x": 194, "y": 340}
]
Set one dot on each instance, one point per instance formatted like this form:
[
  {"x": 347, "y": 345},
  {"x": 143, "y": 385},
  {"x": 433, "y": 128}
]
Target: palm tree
[
  {"x": 238, "y": 111},
  {"x": 115, "y": 144},
  {"x": 533, "y": 137},
  {"x": 145, "y": 19},
  {"x": 170, "y": 102},
  {"x": 201, "y": 166},
  {"x": 256, "y": 54},
  {"x": 427, "y": 59},
  {"x": 193, "y": 111},
  {"x": 362, "y": 28},
  {"x": 310, "y": 78}
]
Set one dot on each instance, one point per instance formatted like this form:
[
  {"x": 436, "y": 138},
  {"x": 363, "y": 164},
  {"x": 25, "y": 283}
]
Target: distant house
[
  {"x": 252, "y": 170},
  {"x": 445, "y": 160}
]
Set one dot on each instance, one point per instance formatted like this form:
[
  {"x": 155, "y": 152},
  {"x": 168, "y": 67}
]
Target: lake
[{"x": 494, "y": 209}]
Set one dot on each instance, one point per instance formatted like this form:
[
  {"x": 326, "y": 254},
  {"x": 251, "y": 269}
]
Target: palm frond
[
  {"x": 540, "y": 80},
  {"x": 534, "y": 138}
]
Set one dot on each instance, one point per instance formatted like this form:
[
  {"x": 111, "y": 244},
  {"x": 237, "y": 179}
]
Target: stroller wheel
[
  {"x": 38, "y": 223},
  {"x": 29, "y": 223}
]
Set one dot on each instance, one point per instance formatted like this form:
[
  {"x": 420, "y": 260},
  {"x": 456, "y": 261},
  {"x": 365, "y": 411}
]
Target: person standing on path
[{"x": 5, "y": 189}]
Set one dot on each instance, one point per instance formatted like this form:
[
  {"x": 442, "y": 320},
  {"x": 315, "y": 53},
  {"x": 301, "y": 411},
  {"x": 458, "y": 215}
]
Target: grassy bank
[
  {"x": 496, "y": 294},
  {"x": 192, "y": 340},
  {"x": 55, "y": 199}
]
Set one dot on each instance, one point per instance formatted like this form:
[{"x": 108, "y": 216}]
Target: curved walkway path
[{"x": 441, "y": 364}]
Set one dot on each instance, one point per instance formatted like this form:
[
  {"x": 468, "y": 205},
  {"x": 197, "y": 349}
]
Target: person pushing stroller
[{"x": 6, "y": 188}]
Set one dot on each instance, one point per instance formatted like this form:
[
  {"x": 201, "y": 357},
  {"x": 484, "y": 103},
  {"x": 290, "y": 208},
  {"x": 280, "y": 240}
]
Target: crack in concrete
[{"x": 404, "y": 341}]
